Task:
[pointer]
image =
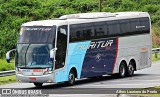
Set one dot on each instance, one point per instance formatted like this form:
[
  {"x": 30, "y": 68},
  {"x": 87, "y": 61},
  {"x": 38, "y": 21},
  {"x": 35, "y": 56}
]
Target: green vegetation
[
  {"x": 7, "y": 79},
  {"x": 155, "y": 59},
  {"x": 13, "y": 13},
  {"x": 156, "y": 36},
  {"x": 4, "y": 66}
]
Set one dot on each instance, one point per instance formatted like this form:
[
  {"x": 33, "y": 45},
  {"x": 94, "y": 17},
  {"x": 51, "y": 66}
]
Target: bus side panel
[
  {"x": 100, "y": 57},
  {"x": 76, "y": 54},
  {"x": 92, "y": 58},
  {"x": 60, "y": 75},
  {"x": 134, "y": 47},
  {"x": 75, "y": 57}
]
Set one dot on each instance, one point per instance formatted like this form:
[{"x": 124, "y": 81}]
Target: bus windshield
[
  {"x": 37, "y": 34},
  {"x": 33, "y": 55},
  {"x": 34, "y": 45}
]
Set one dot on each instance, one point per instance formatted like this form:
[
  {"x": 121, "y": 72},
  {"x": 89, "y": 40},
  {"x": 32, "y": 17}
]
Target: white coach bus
[{"x": 83, "y": 45}]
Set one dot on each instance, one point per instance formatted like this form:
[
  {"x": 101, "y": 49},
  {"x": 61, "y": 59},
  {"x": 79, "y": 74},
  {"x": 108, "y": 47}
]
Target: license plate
[{"x": 32, "y": 79}]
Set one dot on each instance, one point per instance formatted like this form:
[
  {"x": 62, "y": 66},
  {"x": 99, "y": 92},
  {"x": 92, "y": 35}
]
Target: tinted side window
[
  {"x": 144, "y": 25},
  {"x": 113, "y": 27},
  {"x": 81, "y": 32},
  {"x": 75, "y": 32},
  {"x": 100, "y": 29},
  {"x": 134, "y": 23},
  {"x": 125, "y": 26},
  {"x": 88, "y": 31}
]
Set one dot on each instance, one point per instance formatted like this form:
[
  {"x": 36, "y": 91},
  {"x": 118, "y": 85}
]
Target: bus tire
[
  {"x": 71, "y": 78},
  {"x": 130, "y": 69},
  {"x": 38, "y": 84},
  {"x": 122, "y": 70}
]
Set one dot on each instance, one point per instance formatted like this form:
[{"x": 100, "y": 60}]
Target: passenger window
[
  {"x": 134, "y": 23},
  {"x": 88, "y": 32},
  {"x": 75, "y": 32},
  {"x": 144, "y": 24},
  {"x": 125, "y": 26},
  {"x": 81, "y": 32},
  {"x": 113, "y": 27},
  {"x": 100, "y": 29}
]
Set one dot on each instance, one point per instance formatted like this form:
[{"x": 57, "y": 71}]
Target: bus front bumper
[{"x": 49, "y": 78}]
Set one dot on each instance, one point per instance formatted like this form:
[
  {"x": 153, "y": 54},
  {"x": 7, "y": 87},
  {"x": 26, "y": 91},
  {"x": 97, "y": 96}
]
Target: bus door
[
  {"x": 61, "y": 54},
  {"x": 61, "y": 47}
]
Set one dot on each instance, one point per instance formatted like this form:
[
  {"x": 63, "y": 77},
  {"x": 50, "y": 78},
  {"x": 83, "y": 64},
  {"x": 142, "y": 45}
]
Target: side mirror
[
  {"x": 8, "y": 55},
  {"x": 52, "y": 54}
]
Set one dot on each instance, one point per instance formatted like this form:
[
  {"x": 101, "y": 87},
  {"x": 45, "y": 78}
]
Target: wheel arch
[{"x": 75, "y": 71}]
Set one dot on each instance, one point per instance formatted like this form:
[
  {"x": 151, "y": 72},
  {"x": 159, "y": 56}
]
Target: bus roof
[{"x": 86, "y": 18}]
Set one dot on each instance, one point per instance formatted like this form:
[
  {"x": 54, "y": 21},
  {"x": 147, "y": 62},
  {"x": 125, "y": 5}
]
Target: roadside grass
[
  {"x": 4, "y": 66},
  {"x": 155, "y": 36},
  {"x": 154, "y": 58},
  {"x": 7, "y": 79}
]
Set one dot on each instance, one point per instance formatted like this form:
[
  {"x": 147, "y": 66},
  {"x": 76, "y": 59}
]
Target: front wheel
[
  {"x": 71, "y": 78},
  {"x": 122, "y": 70},
  {"x": 38, "y": 84}
]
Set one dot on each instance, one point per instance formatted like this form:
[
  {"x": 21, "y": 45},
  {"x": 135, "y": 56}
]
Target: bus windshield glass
[
  {"x": 37, "y": 34},
  {"x": 34, "y": 45},
  {"x": 33, "y": 55}
]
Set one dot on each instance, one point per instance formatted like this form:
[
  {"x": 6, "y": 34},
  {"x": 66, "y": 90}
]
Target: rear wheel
[
  {"x": 122, "y": 70},
  {"x": 130, "y": 69},
  {"x": 38, "y": 84},
  {"x": 71, "y": 78}
]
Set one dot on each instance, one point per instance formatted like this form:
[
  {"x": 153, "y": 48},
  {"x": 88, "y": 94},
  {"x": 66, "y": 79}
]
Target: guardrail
[
  {"x": 6, "y": 73},
  {"x": 12, "y": 72},
  {"x": 156, "y": 51}
]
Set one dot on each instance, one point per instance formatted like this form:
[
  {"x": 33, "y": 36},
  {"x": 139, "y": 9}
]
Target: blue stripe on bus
[{"x": 76, "y": 54}]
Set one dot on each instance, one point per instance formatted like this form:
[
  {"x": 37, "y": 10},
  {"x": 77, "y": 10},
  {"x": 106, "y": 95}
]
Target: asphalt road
[{"x": 145, "y": 78}]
